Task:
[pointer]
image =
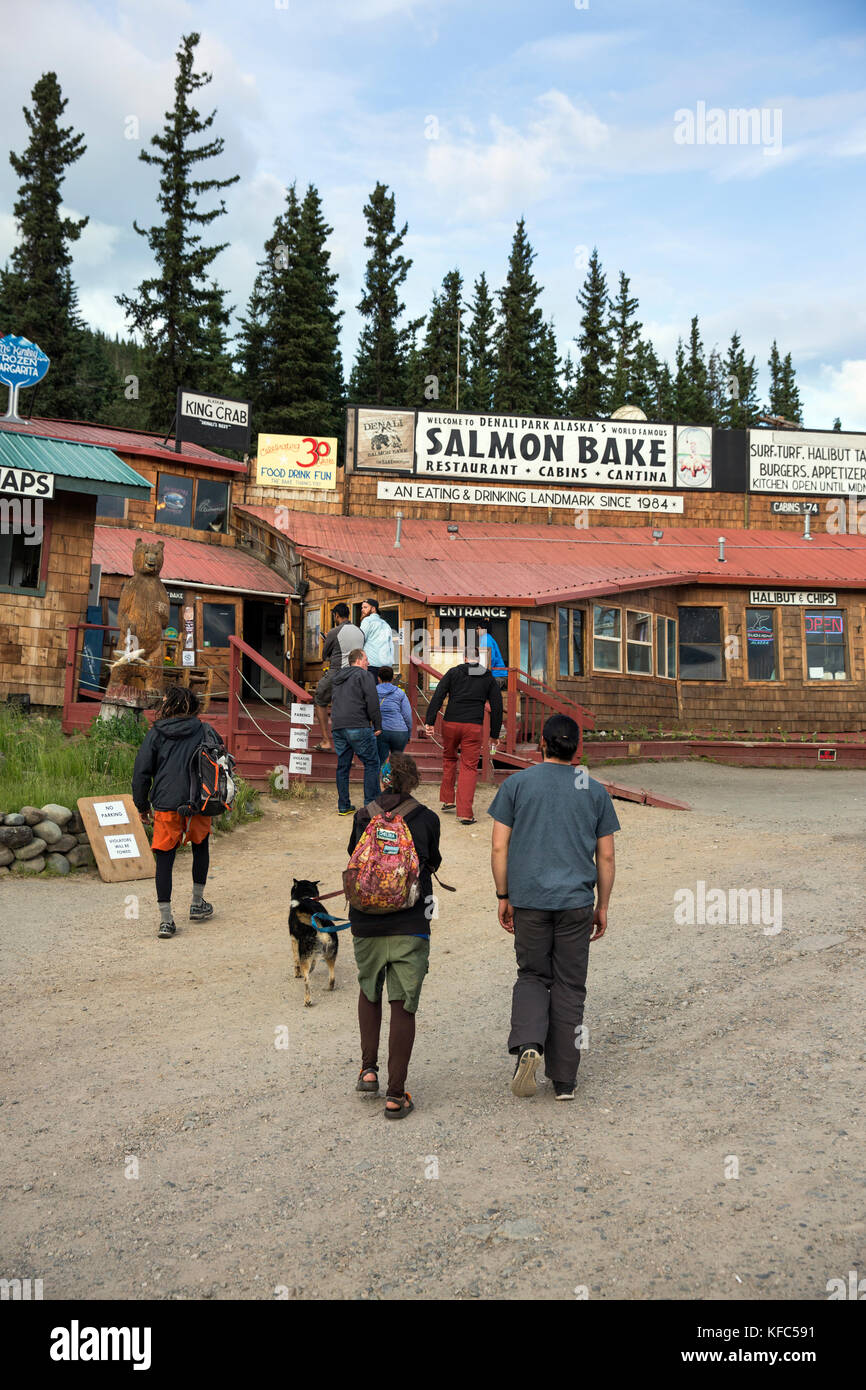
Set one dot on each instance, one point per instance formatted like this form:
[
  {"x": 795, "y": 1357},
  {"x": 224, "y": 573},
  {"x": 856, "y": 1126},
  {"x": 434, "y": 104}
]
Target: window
[
  {"x": 211, "y": 506},
  {"x": 218, "y": 624},
  {"x": 20, "y": 562},
  {"x": 570, "y": 627},
  {"x": 761, "y": 644},
  {"x": 174, "y": 500},
  {"x": 533, "y": 649},
  {"x": 700, "y": 645},
  {"x": 606, "y": 638},
  {"x": 639, "y": 642},
  {"x": 825, "y": 646},
  {"x": 666, "y": 648},
  {"x": 313, "y": 634},
  {"x": 114, "y": 507}
]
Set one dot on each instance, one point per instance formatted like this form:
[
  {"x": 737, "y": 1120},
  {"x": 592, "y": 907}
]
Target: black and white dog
[{"x": 308, "y": 941}]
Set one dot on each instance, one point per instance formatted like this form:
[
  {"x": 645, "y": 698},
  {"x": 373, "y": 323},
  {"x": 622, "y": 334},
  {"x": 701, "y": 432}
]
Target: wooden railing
[
  {"x": 237, "y": 650},
  {"x": 528, "y": 704}
]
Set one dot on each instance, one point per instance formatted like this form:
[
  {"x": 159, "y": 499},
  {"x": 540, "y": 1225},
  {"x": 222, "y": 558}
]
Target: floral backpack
[{"x": 383, "y": 874}]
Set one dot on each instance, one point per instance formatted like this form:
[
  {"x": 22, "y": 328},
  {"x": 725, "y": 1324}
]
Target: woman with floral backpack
[{"x": 392, "y": 943}]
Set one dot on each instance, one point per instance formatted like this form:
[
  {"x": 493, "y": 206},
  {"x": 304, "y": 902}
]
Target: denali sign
[
  {"x": 508, "y": 448},
  {"x": 213, "y": 421}
]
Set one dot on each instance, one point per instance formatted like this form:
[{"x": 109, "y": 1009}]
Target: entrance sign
[
  {"x": 456, "y": 610},
  {"x": 22, "y": 363},
  {"x": 295, "y": 460},
  {"x": 22, "y": 483},
  {"x": 665, "y": 503},
  {"x": 794, "y": 598},
  {"x": 110, "y": 813},
  {"x": 807, "y": 462},
  {"x": 511, "y": 448},
  {"x": 213, "y": 421},
  {"x": 384, "y": 441},
  {"x": 121, "y": 856}
]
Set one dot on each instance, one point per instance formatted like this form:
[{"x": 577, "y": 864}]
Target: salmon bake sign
[{"x": 507, "y": 448}]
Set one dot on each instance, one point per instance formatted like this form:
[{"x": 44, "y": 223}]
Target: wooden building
[{"x": 46, "y": 545}]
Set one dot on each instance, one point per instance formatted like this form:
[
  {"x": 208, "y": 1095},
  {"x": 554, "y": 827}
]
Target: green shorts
[{"x": 403, "y": 960}]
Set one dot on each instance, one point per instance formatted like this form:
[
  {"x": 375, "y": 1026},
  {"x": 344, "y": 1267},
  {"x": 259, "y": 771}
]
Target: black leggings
[{"x": 165, "y": 863}]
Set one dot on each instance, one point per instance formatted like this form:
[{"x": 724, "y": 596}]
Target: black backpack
[{"x": 211, "y": 781}]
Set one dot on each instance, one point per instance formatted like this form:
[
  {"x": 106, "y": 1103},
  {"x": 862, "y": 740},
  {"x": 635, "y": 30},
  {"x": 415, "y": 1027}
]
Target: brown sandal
[{"x": 405, "y": 1109}]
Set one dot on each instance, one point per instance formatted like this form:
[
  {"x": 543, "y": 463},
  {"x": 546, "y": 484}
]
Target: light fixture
[{"x": 657, "y": 535}]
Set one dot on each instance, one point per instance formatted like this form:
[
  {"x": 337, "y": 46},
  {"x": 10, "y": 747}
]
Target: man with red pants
[{"x": 469, "y": 687}]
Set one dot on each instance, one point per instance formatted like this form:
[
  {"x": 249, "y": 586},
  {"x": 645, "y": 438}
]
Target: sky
[{"x": 604, "y": 124}]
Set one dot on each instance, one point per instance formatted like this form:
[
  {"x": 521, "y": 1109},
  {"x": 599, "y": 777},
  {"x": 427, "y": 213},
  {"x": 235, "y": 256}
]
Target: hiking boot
[
  {"x": 166, "y": 930},
  {"x": 563, "y": 1090},
  {"x": 349, "y": 811},
  {"x": 199, "y": 912},
  {"x": 523, "y": 1080}
]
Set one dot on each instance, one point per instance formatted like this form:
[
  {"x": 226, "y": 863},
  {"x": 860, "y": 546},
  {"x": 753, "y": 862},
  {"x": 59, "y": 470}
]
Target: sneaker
[
  {"x": 166, "y": 930},
  {"x": 563, "y": 1090},
  {"x": 349, "y": 811},
  {"x": 199, "y": 912},
  {"x": 523, "y": 1080}
]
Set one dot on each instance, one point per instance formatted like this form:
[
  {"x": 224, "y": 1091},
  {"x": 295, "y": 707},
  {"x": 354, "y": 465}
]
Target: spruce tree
[
  {"x": 774, "y": 403},
  {"x": 37, "y": 295},
  {"x": 680, "y": 385},
  {"x": 181, "y": 314},
  {"x": 837, "y": 425},
  {"x": 696, "y": 403},
  {"x": 434, "y": 371},
  {"x": 715, "y": 386},
  {"x": 518, "y": 332},
  {"x": 570, "y": 379},
  {"x": 547, "y": 369},
  {"x": 596, "y": 350},
  {"x": 741, "y": 408},
  {"x": 625, "y": 340},
  {"x": 379, "y": 374},
  {"x": 477, "y": 394},
  {"x": 645, "y": 380},
  {"x": 289, "y": 341},
  {"x": 790, "y": 395},
  {"x": 666, "y": 396}
]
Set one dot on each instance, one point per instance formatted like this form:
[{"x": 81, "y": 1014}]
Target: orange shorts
[{"x": 169, "y": 828}]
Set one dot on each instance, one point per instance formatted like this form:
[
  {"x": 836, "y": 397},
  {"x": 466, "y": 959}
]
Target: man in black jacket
[
  {"x": 356, "y": 718},
  {"x": 469, "y": 687}
]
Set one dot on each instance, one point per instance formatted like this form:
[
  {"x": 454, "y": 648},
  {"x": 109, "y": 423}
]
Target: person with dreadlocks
[{"x": 160, "y": 781}]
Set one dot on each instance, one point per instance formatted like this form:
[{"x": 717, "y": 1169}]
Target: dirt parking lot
[{"x": 159, "y": 1143}]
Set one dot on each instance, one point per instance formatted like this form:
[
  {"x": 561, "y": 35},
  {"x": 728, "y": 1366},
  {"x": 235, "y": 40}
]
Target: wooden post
[
  {"x": 234, "y": 684},
  {"x": 511, "y": 714},
  {"x": 71, "y": 655},
  {"x": 486, "y": 760}
]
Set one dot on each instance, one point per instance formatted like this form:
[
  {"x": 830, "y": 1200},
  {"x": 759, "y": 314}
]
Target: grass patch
[
  {"x": 43, "y": 764},
  {"x": 298, "y": 790}
]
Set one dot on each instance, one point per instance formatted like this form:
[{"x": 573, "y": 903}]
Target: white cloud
[{"x": 838, "y": 391}]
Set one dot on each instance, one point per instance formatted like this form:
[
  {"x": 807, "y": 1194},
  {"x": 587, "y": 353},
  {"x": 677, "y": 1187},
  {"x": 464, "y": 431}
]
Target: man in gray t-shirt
[
  {"x": 343, "y": 638},
  {"x": 552, "y": 852}
]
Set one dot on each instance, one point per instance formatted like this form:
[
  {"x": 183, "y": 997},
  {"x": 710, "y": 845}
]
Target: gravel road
[{"x": 161, "y": 1143}]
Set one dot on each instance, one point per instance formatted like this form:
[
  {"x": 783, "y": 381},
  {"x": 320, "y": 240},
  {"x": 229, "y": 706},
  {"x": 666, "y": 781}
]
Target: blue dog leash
[{"x": 341, "y": 926}]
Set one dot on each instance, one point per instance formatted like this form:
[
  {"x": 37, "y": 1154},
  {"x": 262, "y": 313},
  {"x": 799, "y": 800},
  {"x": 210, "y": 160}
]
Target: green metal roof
[{"x": 76, "y": 467}]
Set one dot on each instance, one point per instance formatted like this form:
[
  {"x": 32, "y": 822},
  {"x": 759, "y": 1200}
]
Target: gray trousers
[{"x": 552, "y": 950}]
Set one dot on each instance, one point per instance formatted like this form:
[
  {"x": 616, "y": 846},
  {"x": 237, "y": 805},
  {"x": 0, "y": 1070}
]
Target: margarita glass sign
[{"x": 22, "y": 363}]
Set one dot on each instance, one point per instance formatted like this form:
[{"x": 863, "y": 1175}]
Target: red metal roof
[
  {"x": 126, "y": 441},
  {"x": 532, "y": 565},
  {"x": 193, "y": 562}
]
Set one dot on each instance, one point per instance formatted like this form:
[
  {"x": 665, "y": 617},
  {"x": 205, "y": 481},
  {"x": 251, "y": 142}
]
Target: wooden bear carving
[{"x": 142, "y": 614}]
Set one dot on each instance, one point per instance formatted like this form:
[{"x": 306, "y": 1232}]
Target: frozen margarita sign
[{"x": 22, "y": 363}]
